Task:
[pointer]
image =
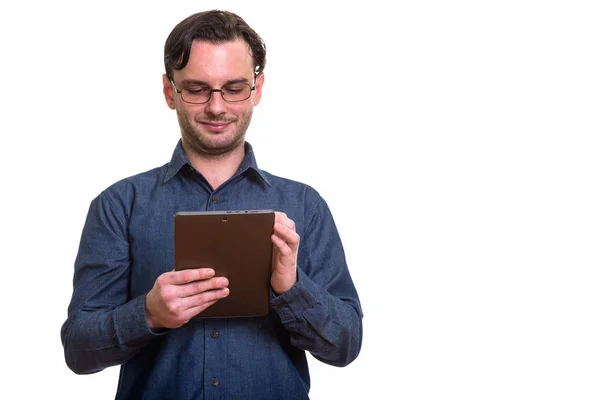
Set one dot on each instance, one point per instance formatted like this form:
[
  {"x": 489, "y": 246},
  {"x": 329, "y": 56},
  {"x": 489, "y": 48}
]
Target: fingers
[
  {"x": 196, "y": 287},
  {"x": 184, "y": 276},
  {"x": 178, "y": 284},
  {"x": 178, "y": 295},
  {"x": 286, "y": 242},
  {"x": 285, "y": 238},
  {"x": 204, "y": 299},
  {"x": 283, "y": 219},
  {"x": 188, "y": 307},
  {"x": 167, "y": 309}
]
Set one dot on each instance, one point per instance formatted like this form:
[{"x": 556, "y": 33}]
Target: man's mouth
[{"x": 216, "y": 125}]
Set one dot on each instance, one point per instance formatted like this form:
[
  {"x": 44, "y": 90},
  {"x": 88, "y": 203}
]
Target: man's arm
[
  {"x": 104, "y": 327},
  {"x": 322, "y": 310}
]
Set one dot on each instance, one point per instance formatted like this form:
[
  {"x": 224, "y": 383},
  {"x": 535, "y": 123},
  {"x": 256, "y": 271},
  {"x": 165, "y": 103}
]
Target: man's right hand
[{"x": 177, "y": 296}]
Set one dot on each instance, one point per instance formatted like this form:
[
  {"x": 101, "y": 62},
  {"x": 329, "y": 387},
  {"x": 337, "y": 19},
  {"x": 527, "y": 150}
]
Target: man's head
[
  {"x": 216, "y": 27},
  {"x": 213, "y": 78}
]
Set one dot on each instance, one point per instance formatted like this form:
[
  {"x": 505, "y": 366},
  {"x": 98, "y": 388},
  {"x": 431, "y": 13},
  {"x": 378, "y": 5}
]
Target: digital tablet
[{"x": 237, "y": 245}]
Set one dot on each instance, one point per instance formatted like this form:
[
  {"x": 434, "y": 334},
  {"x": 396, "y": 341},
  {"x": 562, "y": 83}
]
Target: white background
[{"x": 456, "y": 143}]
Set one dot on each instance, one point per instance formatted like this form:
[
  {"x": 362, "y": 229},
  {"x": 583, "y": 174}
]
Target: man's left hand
[{"x": 285, "y": 253}]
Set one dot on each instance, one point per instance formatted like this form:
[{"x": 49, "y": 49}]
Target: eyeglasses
[{"x": 198, "y": 93}]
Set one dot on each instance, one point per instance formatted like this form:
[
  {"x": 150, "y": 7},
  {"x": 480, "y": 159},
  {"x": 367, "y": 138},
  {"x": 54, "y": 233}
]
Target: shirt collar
[{"x": 179, "y": 160}]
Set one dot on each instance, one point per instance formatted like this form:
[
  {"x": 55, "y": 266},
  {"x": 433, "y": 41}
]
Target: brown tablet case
[{"x": 237, "y": 245}]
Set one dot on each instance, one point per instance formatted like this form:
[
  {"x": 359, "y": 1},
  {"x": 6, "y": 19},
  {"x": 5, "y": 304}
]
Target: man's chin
[{"x": 217, "y": 147}]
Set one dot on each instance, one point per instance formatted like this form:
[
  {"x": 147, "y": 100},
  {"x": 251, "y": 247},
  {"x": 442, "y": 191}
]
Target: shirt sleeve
[
  {"x": 322, "y": 310},
  {"x": 104, "y": 327}
]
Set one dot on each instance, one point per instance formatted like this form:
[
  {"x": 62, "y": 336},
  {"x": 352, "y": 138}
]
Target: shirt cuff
[
  {"x": 131, "y": 324},
  {"x": 295, "y": 301}
]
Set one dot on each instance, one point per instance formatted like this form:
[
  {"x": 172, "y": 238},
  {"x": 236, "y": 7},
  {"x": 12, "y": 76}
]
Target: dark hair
[{"x": 213, "y": 26}]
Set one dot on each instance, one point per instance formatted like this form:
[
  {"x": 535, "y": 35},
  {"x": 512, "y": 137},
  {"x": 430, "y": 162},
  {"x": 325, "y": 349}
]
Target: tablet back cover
[{"x": 237, "y": 245}]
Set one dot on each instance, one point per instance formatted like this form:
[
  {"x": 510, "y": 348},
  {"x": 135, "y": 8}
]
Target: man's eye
[
  {"x": 197, "y": 89},
  {"x": 233, "y": 89}
]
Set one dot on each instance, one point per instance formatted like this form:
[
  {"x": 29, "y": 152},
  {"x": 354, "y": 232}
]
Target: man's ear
[
  {"x": 260, "y": 80},
  {"x": 168, "y": 91}
]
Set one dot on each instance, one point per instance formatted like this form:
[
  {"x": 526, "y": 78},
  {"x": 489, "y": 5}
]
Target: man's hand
[
  {"x": 285, "y": 253},
  {"x": 177, "y": 296}
]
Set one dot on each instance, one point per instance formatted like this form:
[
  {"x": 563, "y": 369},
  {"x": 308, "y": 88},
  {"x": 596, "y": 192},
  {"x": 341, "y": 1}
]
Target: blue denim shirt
[{"x": 127, "y": 242}]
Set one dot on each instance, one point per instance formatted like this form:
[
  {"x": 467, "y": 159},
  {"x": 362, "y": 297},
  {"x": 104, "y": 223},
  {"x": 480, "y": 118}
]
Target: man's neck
[{"x": 217, "y": 169}]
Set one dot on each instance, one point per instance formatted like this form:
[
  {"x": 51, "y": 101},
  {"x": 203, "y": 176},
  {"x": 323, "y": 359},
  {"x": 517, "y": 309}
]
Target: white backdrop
[{"x": 456, "y": 143}]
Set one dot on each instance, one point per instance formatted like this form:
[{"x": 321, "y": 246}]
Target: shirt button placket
[
  {"x": 216, "y": 368},
  {"x": 214, "y": 202}
]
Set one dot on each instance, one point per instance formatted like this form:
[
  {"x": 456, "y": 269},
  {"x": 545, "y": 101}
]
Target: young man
[{"x": 131, "y": 308}]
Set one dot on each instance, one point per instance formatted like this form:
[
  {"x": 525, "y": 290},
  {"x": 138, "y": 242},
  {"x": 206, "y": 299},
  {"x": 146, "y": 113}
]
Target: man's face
[{"x": 216, "y": 127}]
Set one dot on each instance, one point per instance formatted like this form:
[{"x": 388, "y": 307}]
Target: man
[{"x": 131, "y": 308}]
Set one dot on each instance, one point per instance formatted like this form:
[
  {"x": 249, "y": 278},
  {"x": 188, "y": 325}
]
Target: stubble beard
[{"x": 202, "y": 143}]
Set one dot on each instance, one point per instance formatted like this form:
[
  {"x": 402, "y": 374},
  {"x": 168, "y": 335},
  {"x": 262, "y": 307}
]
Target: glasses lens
[
  {"x": 236, "y": 92},
  {"x": 196, "y": 94}
]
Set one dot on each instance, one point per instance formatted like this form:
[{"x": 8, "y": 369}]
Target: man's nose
[{"x": 216, "y": 104}]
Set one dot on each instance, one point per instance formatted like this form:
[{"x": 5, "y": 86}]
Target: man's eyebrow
[{"x": 229, "y": 82}]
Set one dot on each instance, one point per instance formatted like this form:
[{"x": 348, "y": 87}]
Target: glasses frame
[{"x": 211, "y": 91}]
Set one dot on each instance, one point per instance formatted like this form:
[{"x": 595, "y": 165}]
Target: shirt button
[
  {"x": 215, "y": 198},
  {"x": 214, "y": 382},
  {"x": 214, "y": 334}
]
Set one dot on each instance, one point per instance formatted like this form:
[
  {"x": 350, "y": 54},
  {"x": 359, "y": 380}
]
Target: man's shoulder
[
  {"x": 139, "y": 182},
  {"x": 291, "y": 185}
]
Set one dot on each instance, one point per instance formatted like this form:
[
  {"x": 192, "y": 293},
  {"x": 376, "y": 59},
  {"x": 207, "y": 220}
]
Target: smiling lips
[{"x": 216, "y": 126}]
